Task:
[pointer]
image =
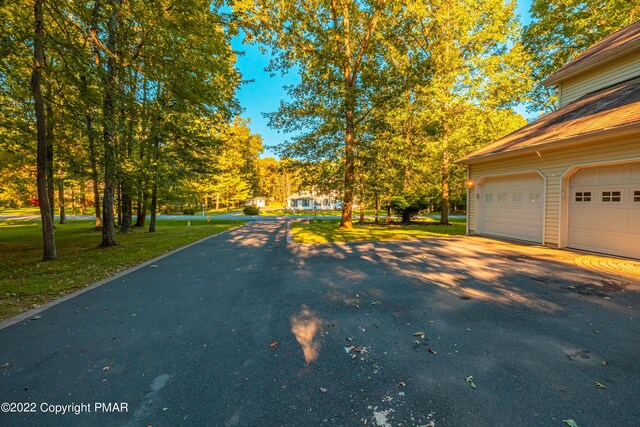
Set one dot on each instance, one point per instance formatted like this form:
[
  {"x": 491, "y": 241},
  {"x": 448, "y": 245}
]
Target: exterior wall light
[{"x": 470, "y": 183}]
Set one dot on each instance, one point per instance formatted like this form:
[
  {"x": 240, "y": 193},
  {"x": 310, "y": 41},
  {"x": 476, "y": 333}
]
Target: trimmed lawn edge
[{"x": 34, "y": 311}]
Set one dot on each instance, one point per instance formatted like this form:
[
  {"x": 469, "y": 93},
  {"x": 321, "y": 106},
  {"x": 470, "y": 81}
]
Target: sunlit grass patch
[
  {"x": 326, "y": 231},
  {"x": 25, "y": 281}
]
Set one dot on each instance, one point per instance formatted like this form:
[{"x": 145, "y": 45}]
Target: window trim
[
  {"x": 534, "y": 200},
  {"x": 582, "y": 194},
  {"x": 520, "y": 198},
  {"x": 610, "y": 196}
]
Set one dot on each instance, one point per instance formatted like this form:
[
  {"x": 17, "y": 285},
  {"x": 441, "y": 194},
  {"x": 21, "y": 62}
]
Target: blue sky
[{"x": 264, "y": 92}]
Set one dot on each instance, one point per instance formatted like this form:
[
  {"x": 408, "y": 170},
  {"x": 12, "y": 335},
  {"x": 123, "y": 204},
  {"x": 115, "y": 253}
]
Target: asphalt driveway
[{"x": 243, "y": 329}]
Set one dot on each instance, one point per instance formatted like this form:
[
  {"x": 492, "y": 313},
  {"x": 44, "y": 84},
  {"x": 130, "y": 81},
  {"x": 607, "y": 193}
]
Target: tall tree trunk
[
  {"x": 362, "y": 206},
  {"x": 126, "y": 199},
  {"x": 93, "y": 155},
  {"x": 96, "y": 203},
  {"x": 48, "y": 236},
  {"x": 154, "y": 189},
  {"x": 217, "y": 200},
  {"x": 141, "y": 214},
  {"x": 83, "y": 197},
  {"x": 141, "y": 209},
  {"x": 154, "y": 206},
  {"x": 377, "y": 208},
  {"x": 119, "y": 204},
  {"x": 108, "y": 226},
  {"x": 63, "y": 215},
  {"x": 446, "y": 177},
  {"x": 50, "y": 124},
  {"x": 93, "y": 163},
  {"x": 349, "y": 166},
  {"x": 73, "y": 200},
  {"x": 127, "y": 213}
]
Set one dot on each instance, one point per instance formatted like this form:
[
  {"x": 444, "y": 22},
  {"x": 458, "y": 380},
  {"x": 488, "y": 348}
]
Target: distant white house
[
  {"x": 308, "y": 200},
  {"x": 259, "y": 202}
]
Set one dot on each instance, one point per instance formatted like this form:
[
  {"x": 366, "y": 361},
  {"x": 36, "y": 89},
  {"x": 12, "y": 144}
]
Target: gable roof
[
  {"x": 602, "y": 111},
  {"x": 613, "y": 46}
]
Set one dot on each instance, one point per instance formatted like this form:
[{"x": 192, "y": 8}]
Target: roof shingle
[{"x": 606, "y": 109}]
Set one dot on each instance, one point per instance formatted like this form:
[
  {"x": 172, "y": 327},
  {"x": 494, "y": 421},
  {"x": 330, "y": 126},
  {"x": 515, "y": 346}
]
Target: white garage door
[
  {"x": 512, "y": 206},
  {"x": 604, "y": 210}
]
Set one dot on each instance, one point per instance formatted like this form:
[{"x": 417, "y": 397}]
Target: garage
[
  {"x": 604, "y": 210},
  {"x": 511, "y": 206}
]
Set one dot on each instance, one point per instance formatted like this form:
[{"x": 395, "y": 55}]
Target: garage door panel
[
  {"x": 634, "y": 217},
  {"x": 512, "y": 206},
  {"x": 600, "y": 224}
]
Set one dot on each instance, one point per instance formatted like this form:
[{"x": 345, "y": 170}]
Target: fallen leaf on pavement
[
  {"x": 36, "y": 317},
  {"x": 600, "y": 385},
  {"x": 431, "y": 351},
  {"x": 105, "y": 369},
  {"x": 420, "y": 334},
  {"x": 604, "y": 363},
  {"x": 469, "y": 379},
  {"x": 323, "y": 390},
  {"x": 402, "y": 384},
  {"x": 5, "y": 365},
  {"x": 274, "y": 344},
  {"x": 570, "y": 423}
]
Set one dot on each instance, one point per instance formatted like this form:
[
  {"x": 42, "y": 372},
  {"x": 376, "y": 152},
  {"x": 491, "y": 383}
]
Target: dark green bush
[
  {"x": 251, "y": 210},
  {"x": 407, "y": 206},
  {"x": 188, "y": 211}
]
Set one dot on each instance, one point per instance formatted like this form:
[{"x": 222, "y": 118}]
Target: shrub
[
  {"x": 407, "y": 206},
  {"x": 251, "y": 210},
  {"x": 188, "y": 211}
]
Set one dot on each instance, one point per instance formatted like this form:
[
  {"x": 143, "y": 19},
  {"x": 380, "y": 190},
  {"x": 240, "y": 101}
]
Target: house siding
[
  {"x": 552, "y": 164},
  {"x": 614, "y": 72}
]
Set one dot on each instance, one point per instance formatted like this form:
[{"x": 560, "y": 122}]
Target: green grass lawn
[
  {"x": 326, "y": 231},
  {"x": 26, "y": 282},
  {"x": 35, "y": 211}
]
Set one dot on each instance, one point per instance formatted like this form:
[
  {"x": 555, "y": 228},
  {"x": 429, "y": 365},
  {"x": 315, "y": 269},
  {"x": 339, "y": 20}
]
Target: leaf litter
[{"x": 470, "y": 380}]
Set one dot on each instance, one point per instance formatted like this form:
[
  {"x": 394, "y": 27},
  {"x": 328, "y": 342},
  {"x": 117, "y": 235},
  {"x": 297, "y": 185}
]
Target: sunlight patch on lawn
[{"x": 327, "y": 231}]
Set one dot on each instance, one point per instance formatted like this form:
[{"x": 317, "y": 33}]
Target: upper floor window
[
  {"x": 488, "y": 198},
  {"x": 516, "y": 197},
  {"x": 612, "y": 196},
  {"x": 636, "y": 195},
  {"x": 502, "y": 198}
]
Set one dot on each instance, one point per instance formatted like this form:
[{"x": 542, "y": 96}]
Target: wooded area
[{"x": 129, "y": 104}]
